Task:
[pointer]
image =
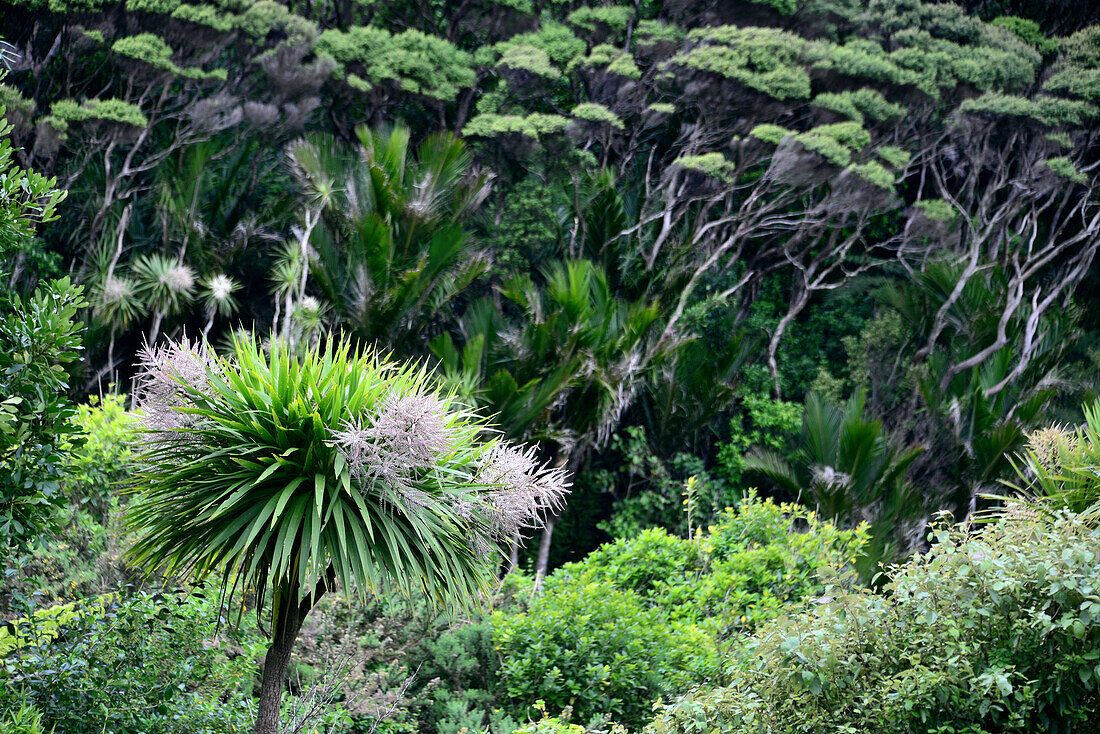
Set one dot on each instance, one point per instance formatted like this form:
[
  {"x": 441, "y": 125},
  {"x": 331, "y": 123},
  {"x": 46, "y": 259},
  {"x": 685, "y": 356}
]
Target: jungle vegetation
[{"x": 312, "y": 310}]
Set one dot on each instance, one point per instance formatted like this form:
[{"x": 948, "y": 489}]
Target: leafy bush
[
  {"x": 642, "y": 619},
  {"x": 39, "y": 337},
  {"x": 24, "y": 721},
  {"x": 766, "y": 423},
  {"x": 758, "y": 558},
  {"x": 998, "y": 631},
  {"x": 79, "y": 559},
  {"x": 141, "y": 663},
  {"x": 46, "y": 624},
  {"x": 654, "y": 487},
  {"x": 411, "y": 667},
  {"x": 599, "y": 649},
  {"x": 108, "y": 433}
]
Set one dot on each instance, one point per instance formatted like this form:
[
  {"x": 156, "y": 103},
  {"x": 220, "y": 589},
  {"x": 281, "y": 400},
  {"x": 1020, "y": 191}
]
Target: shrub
[
  {"x": 758, "y": 558},
  {"x": 101, "y": 460},
  {"x": 139, "y": 662},
  {"x": 642, "y": 619},
  {"x": 997, "y": 631},
  {"x": 78, "y": 559},
  {"x": 599, "y": 649}
]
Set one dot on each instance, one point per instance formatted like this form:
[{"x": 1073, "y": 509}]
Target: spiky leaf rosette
[{"x": 281, "y": 472}]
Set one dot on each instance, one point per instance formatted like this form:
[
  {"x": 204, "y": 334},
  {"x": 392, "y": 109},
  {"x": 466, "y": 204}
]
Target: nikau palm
[
  {"x": 565, "y": 372},
  {"x": 390, "y": 251},
  {"x": 294, "y": 476}
]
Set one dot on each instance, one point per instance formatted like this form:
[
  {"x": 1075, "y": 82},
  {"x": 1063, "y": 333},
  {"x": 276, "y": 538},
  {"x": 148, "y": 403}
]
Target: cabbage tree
[{"x": 294, "y": 476}]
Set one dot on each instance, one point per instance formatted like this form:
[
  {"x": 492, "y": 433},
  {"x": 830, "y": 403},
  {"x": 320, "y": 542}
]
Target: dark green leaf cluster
[
  {"x": 134, "y": 661},
  {"x": 39, "y": 339},
  {"x": 644, "y": 618},
  {"x": 995, "y": 631}
]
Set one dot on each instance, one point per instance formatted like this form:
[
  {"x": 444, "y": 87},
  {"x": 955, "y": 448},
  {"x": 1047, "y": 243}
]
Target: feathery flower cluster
[
  {"x": 402, "y": 440},
  {"x": 178, "y": 279},
  {"x": 158, "y": 391},
  {"x": 116, "y": 290},
  {"x": 518, "y": 489},
  {"x": 405, "y": 438},
  {"x": 829, "y": 477},
  {"x": 1048, "y": 445},
  {"x": 221, "y": 287}
]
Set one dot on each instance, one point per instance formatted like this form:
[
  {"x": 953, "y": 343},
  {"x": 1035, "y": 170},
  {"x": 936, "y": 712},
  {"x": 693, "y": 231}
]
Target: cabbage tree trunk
[{"x": 287, "y": 617}]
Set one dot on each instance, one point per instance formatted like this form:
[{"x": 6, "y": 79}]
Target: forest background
[{"x": 840, "y": 252}]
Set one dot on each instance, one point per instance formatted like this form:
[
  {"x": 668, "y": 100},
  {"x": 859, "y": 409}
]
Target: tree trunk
[
  {"x": 544, "y": 548},
  {"x": 284, "y": 634},
  {"x": 154, "y": 332},
  {"x": 286, "y": 620},
  {"x": 513, "y": 555}
]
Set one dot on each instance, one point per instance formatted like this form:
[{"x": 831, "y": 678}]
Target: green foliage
[
  {"x": 392, "y": 250},
  {"x": 102, "y": 458},
  {"x": 531, "y": 59},
  {"x": 1065, "y": 168},
  {"x": 204, "y": 15},
  {"x": 530, "y": 229},
  {"x": 154, "y": 51},
  {"x": 614, "y": 17},
  {"x": 47, "y": 624},
  {"x": 650, "y": 32},
  {"x": 649, "y": 490},
  {"x": 417, "y": 62},
  {"x": 67, "y": 111},
  {"x": 413, "y": 669},
  {"x": 27, "y": 199},
  {"x": 895, "y": 157},
  {"x": 1053, "y": 111},
  {"x": 597, "y": 113},
  {"x": 643, "y": 618},
  {"x": 995, "y": 631},
  {"x": 770, "y": 133},
  {"x": 614, "y": 60},
  {"x": 1083, "y": 83},
  {"x": 532, "y": 126},
  {"x": 714, "y": 165},
  {"x": 265, "y": 17},
  {"x": 1027, "y": 31},
  {"x": 973, "y": 430},
  {"x": 18, "y": 111},
  {"x": 1059, "y": 465},
  {"x": 153, "y": 6},
  {"x": 551, "y": 724},
  {"x": 559, "y": 43},
  {"x": 875, "y": 173},
  {"x": 936, "y": 209},
  {"x": 763, "y": 59},
  {"x": 860, "y": 104},
  {"x": 847, "y": 469},
  {"x": 598, "y": 649},
  {"x": 138, "y": 662},
  {"x": 556, "y": 368},
  {"x": 25, "y": 720},
  {"x": 77, "y": 557},
  {"x": 746, "y": 568},
  {"x": 836, "y": 142},
  {"x": 765, "y": 423},
  {"x": 38, "y": 339}
]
